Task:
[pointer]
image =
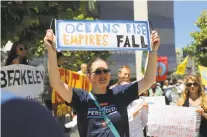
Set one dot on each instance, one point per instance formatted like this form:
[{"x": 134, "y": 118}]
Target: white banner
[
  {"x": 23, "y": 80},
  {"x": 155, "y": 100},
  {"x": 172, "y": 121},
  {"x": 102, "y": 35}
]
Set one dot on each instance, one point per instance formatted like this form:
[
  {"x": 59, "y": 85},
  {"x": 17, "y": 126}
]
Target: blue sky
[{"x": 185, "y": 15}]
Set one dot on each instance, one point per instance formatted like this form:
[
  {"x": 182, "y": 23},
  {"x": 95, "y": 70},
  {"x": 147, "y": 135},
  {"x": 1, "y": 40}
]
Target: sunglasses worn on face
[
  {"x": 190, "y": 84},
  {"x": 21, "y": 49},
  {"x": 99, "y": 71}
]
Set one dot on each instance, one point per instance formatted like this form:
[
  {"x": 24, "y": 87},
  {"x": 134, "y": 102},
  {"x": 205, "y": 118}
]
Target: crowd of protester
[{"x": 187, "y": 92}]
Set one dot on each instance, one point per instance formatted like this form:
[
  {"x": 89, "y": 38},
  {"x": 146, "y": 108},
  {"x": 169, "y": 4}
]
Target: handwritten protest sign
[
  {"x": 23, "y": 80},
  {"x": 73, "y": 79},
  {"x": 102, "y": 35},
  {"x": 172, "y": 121},
  {"x": 155, "y": 100}
]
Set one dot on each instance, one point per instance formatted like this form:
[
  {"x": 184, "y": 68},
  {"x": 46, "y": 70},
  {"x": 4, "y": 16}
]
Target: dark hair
[
  {"x": 59, "y": 55},
  {"x": 174, "y": 81},
  {"x": 12, "y": 54},
  {"x": 147, "y": 93},
  {"x": 91, "y": 62}
]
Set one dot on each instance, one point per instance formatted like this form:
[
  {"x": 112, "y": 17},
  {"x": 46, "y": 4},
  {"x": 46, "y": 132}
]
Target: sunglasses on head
[
  {"x": 99, "y": 71},
  {"x": 190, "y": 84},
  {"x": 25, "y": 48}
]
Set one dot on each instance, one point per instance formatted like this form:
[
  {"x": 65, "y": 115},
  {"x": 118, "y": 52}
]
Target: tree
[
  {"x": 73, "y": 60},
  {"x": 28, "y": 21},
  {"x": 198, "y": 48}
]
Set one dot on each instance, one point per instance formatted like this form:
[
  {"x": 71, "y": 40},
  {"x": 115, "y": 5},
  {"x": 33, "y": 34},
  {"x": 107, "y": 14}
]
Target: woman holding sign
[
  {"x": 194, "y": 96},
  {"x": 103, "y": 111}
]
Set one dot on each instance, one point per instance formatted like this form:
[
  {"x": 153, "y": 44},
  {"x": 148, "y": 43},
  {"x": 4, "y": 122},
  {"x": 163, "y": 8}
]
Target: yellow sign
[
  {"x": 181, "y": 67},
  {"x": 203, "y": 72},
  {"x": 73, "y": 79}
]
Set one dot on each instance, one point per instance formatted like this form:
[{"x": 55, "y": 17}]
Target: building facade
[{"x": 161, "y": 15}]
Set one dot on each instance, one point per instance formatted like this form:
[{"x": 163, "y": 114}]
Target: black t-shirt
[{"x": 114, "y": 103}]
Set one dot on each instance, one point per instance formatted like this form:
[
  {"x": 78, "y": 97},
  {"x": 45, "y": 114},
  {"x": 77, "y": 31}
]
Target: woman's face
[
  {"x": 145, "y": 93},
  {"x": 100, "y": 74},
  {"x": 192, "y": 86},
  {"x": 154, "y": 85},
  {"x": 21, "y": 50}
]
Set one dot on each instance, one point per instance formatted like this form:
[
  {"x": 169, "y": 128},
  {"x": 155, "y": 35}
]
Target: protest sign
[
  {"x": 23, "y": 80},
  {"x": 102, "y": 35},
  {"x": 203, "y": 72},
  {"x": 73, "y": 79},
  {"x": 162, "y": 68},
  {"x": 155, "y": 100},
  {"x": 172, "y": 121}
]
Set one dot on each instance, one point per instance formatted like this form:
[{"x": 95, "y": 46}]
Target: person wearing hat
[{"x": 155, "y": 90}]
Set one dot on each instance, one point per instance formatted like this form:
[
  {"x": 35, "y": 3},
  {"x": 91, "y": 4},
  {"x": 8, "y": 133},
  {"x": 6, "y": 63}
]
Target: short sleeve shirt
[{"x": 90, "y": 121}]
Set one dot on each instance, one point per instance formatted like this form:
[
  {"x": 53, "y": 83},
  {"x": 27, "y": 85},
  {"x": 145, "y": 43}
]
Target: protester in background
[
  {"x": 180, "y": 86},
  {"x": 155, "y": 90},
  {"x": 60, "y": 59},
  {"x": 137, "y": 113},
  {"x": 171, "y": 82},
  {"x": 86, "y": 104},
  {"x": 172, "y": 92},
  {"x": 167, "y": 91},
  {"x": 146, "y": 93},
  {"x": 48, "y": 94},
  {"x": 177, "y": 88},
  {"x": 194, "y": 96},
  {"x": 166, "y": 84},
  {"x": 25, "y": 118},
  {"x": 17, "y": 54},
  {"x": 83, "y": 70},
  {"x": 124, "y": 75},
  {"x": 174, "y": 81}
]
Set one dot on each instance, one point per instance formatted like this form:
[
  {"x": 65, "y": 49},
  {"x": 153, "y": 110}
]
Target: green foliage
[
  {"x": 28, "y": 21},
  {"x": 198, "y": 48},
  {"x": 73, "y": 59},
  {"x": 176, "y": 76}
]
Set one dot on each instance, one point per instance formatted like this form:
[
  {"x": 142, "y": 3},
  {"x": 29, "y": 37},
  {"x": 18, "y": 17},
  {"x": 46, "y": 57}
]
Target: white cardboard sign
[{"x": 102, "y": 35}]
